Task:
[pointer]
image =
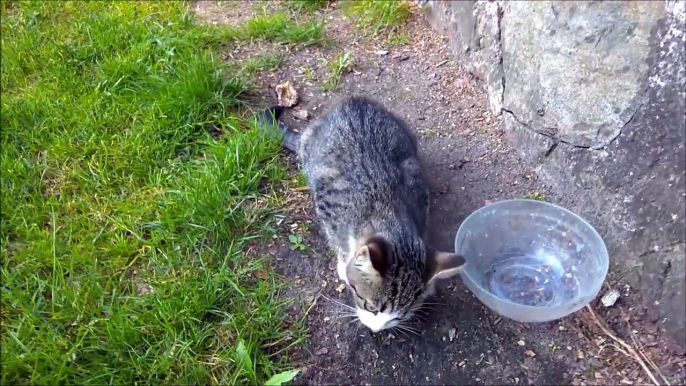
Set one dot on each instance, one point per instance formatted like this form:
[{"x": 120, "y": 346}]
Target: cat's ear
[
  {"x": 374, "y": 256},
  {"x": 441, "y": 265}
]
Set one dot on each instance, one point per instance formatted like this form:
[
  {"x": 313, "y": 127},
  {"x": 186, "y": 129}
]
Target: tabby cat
[{"x": 371, "y": 200}]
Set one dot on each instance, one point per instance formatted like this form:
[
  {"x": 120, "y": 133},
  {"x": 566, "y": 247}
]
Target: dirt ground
[{"x": 458, "y": 340}]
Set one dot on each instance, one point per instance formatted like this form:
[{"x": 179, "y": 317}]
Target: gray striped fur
[{"x": 372, "y": 202}]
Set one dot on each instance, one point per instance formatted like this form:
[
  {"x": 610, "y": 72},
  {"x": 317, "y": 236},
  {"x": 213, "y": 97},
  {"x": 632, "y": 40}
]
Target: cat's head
[{"x": 390, "y": 282}]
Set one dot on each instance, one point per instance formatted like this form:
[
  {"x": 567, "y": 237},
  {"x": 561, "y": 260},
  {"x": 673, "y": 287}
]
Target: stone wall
[{"x": 592, "y": 95}]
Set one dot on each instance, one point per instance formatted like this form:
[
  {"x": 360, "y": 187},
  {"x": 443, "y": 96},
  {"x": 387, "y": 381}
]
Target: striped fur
[{"x": 372, "y": 201}]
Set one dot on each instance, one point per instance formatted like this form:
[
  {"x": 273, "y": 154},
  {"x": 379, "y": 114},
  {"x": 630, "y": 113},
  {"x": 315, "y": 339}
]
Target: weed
[
  {"x": 297, "y": 243},
  {"x": 308, "y": 5},
  {"x": 396, "y": 39},
  {"x": 308, "y": 73},
  {"x": 123, "y": 224},
  {"x": 378, "y": 15},
  {"x": 431, "y": 133},
  {"x": 534, "y": 196},
  {"x": 338, "y": 67},
  {"x": 281, "y": 378},
  {"x": 268, "y": 62}
]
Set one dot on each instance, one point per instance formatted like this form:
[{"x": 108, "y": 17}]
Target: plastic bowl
[{"x": 531, "y": 261}]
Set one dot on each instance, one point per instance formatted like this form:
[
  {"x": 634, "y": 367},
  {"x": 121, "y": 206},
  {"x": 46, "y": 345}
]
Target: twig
[
  {"x": 628, "y": 350},
  {"x": 645, "y": 357},
  {"x": 301, "y": 189},
  {"x": 573, "y": 327},
  {"x": 314, "y": 302},
  {"x": 280, "y": 340}
]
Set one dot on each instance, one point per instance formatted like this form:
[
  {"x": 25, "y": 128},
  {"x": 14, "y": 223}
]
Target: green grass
[
  {"x": 396, "y": 39},
  {"x": 300, "y": 179},
  {"x": 308, "y": 5},
  {"x": 534, "y": 196},
  {"x": 337, "y": 68},
  {"x": 123, "y": 219},
  {"x": 308, "y": 73},
  {"x": 268, "y": 62},
  {"x": 278, "y": 27},
  {"x": 378, "y": 15}
]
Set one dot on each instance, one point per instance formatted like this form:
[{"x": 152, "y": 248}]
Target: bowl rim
[{"x": 593, "y": 291}]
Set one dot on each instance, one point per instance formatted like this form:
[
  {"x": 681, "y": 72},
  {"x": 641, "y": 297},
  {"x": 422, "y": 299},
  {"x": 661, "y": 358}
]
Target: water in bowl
[{"x": 537, "y": 279}]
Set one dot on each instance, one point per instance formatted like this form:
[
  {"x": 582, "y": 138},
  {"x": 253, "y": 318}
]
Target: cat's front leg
[{"x": 341, "y": 265}]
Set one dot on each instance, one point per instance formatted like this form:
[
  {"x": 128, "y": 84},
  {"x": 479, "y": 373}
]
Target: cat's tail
[{"x": 268, "y": 122}]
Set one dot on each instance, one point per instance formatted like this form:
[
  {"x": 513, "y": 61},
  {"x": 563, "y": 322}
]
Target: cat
[{"x": 371, "y": 200}]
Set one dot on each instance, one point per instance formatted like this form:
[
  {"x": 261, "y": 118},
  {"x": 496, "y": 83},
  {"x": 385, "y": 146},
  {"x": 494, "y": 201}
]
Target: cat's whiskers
[
  {"x": 417, "y": 316},
  {"x": 339, "y": 303},
  {"x": 423, "y": 309},
  {"x": 352, "y": 320},
  {"x": 416, "y": 311},
  {"x": 339, "y": 311},
  {"x": 406, "y": 328},
  {"x": 357, "y": 329},
  {"x": 341, "y": 316},
  {"x": 412, "y": 328},
  {"x": 399, "y": 331},
  {"x": 431, "y": 304}
]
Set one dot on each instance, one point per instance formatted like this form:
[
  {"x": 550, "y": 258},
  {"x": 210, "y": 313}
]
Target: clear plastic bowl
[{"x": 531, "y": 261}]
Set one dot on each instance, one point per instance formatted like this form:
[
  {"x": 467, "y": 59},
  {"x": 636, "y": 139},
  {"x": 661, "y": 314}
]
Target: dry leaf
[
  {"x": 286, "y": 94},
  {"x": 529, "y": 353},
  {"x": 260, "y": 274}
]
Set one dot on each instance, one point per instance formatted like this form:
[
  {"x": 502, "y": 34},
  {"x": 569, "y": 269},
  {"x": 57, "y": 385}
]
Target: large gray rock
[{"x": 593, "y": 95}]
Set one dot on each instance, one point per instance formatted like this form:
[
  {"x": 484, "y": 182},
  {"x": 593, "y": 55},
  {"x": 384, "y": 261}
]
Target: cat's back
[
  {"x": 362, "y": 167},
  {"x": 358, "y": 125}
]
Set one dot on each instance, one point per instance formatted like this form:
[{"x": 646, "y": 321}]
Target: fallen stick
[{"x": 628, "y": 350}]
